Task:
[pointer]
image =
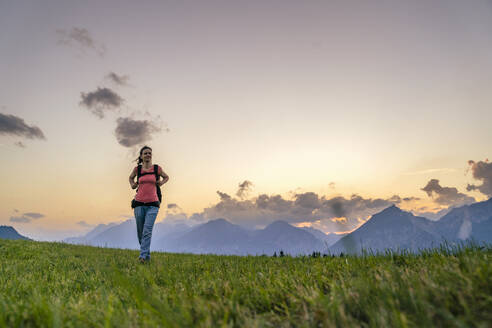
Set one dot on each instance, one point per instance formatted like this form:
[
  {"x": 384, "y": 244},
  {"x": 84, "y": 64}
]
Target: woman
[{"x": 146, "y": 203}]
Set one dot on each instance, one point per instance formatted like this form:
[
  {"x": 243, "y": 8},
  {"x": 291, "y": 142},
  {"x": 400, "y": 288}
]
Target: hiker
[{"x": 147, "y": 199}]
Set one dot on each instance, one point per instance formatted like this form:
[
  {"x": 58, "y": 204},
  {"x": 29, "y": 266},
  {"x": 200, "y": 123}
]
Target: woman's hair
[{"x": 139, "y": 158}]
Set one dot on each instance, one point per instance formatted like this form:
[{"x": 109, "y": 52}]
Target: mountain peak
[
  {"x": 392, "y": 209},
  {"x": 219, "y": 221},
  {"x": 8, "y": 228},
  {"x": 8, "y": 232},
  {"x": 279, "y": 225}
]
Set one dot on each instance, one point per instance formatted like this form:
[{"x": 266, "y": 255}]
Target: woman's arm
[
  {"x": 164, "y": 176},
  {"x": 131, "y": 179}
]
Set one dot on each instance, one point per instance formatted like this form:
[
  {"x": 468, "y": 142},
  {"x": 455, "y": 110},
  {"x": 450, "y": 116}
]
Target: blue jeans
[{"x": 145, "y": 217}]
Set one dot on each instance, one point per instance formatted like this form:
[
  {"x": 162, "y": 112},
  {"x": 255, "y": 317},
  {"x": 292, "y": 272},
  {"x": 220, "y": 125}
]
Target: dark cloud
[
  {"x": 26, "y": 217},
  {"x": 34, "y": 215},
  {"x": 13, "y": 125},
  {"x": 409, "y": 199},
  {"x": 84, "y": 224},
  {"x": 338, "y": 213},
  {"x": 20, "y": 219},
  {"x": 481, "y": 170},
  {"x": 81, "y": 38},
  {"x": 448, "y": 196},
  {"x": 19, "y": 144},
  {"x": 173, "y": 209},
  {"x": 118, "y": 79},
  {"x": 223, "y": 196},
  {"x": 397, "y": 199},
  {"x": 353, "y": 207},
  {"x": 101, "y": 100},
  {"x": 130, "y": 132},
  {"x": 244, "y": 188}
]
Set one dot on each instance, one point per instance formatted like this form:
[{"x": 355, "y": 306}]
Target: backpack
[{"x": 156, "y": 172}]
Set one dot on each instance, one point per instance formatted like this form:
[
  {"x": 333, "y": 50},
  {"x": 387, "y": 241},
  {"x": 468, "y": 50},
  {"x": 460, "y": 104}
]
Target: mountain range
[
  {"x": 217, "y": 236},
  {"x": 391, "y": 228},
  {"x": 395, "y": 229}
]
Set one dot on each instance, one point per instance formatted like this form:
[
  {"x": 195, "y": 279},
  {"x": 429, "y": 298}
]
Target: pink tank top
[{"x": 147, "y": 191}]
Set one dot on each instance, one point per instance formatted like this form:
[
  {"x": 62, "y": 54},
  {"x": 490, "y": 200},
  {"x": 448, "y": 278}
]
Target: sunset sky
[{"x": 320, "y": 113}]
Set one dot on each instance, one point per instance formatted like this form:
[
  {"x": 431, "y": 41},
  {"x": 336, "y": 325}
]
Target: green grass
[{"x": 58, "y": 285}]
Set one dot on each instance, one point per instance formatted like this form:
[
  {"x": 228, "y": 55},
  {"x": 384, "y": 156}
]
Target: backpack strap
[
  {"x": 156, "y": 172},
  {"x": 139, "y": 171},
  {"x": 157, "y": 189}
]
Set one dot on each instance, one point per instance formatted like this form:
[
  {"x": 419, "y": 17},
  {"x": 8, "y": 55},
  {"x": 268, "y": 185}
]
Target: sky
[{"x": 320, "y": 113}]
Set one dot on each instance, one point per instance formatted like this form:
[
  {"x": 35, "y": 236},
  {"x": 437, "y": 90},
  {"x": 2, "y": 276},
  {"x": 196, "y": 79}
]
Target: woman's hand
[{"x": 134, "y": 185}]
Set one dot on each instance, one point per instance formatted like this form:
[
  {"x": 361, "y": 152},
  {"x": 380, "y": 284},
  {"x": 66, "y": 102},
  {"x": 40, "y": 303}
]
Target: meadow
[{"x": 59, "y": 285}]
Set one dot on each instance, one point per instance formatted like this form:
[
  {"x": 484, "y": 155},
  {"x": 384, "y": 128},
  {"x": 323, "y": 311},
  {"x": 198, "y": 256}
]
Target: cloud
[
  {"x": 33, "y": 215},
  {"x": 223, "y": 196},
  {"x": 397, "y": 199},
  {"x": 244, "y": 188},
  {"x": 429, "y": 171},
  {"x": 130, "y": 132},
  {"x": 303, "y": 207},
  {"x": 14, "y": 125},
  {"x": 173, "y": 209},
  {"x": 26, "y": 217},
  {"x": 19, "y": 144},
  {"x": 332, "y": 214},
  {"x": 101, "y": 100},
  {"x": 481, "y": 170},
  {"x": 121, "y": 80},
  {"x": 431, "y": 213},
  {"x": 81, "y": 38},
  {"x": 448, "y": 196},
  {"x": 85, "y": 224},
  {"x": 19, "y": 219}
]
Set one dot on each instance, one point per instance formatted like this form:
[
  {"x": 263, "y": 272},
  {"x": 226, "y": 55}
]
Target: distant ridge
[
  {"x": 395, "y": 229},
  {"x": 8, "y": 232},
  {"x": 86, "y": 239},
  {"x": 280, "y": 235},
  {"x": 391, "y": 228},
  {"x": 222, "y": 237},
  {"x": 472, "y": 221},
  {"x": 327, "y": 238}
]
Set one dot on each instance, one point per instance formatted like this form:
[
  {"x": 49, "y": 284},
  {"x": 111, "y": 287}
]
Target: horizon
[
  {"x": 320, "y": 114},
  {"x": 195, "y": 224}
]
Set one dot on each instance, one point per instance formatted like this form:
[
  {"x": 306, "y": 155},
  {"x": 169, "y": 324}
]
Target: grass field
[{"x": 59, "y": 285}]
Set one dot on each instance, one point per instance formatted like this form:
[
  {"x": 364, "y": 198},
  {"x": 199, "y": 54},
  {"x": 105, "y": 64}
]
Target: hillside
[
  {"x": 8, "y": 232},
  {"x": 56, "y": 284},
  {"x": 395, "y": 229}
]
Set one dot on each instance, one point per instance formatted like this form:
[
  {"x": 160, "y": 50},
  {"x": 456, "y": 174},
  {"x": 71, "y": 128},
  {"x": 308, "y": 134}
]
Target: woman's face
[{"x": 146, "y": 155}]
